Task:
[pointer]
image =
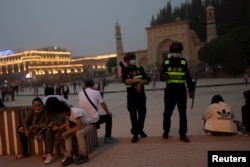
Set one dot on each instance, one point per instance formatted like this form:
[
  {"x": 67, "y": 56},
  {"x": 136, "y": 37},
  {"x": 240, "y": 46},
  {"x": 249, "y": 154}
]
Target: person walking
[
  {"x": 175, "y": 72},
  {"x": 246, "y": 78},
  {"x": 101, "y": 87},
  {"x": 65, "y": 91},
  {"x": 134, "y": 77},
  {"x": 58, "y": 89},
  {"x": 89, "y": 101}
]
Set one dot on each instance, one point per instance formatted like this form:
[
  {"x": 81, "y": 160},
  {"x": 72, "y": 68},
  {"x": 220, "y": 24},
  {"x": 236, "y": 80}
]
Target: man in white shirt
[
  {"x": 89, "y": 100},
  {"x": 76, "y": 125}
]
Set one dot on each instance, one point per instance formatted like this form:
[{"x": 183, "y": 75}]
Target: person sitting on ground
[
  {"x": 76, "y": 126},
  {"x": 34, "y": 125},
  {"x": 245, "y": 111},
  {"x": 219, "y": 118},
  {"x": 89, "y": 100}
]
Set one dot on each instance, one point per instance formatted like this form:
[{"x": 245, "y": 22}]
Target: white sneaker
[
  {"x": 49, "y": 159},
  {"x": 64, "y": 159}
]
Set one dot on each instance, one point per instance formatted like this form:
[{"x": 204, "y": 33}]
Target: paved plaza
[{"x": 154, "y": 151}]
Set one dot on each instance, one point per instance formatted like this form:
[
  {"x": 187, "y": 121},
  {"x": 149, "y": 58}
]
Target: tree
[
  {"x": 233, "y": 31},
  {"x": 234, "y": 61},
  {"x": 230, "y": 51},
  {"x": 112, "y": 62}
]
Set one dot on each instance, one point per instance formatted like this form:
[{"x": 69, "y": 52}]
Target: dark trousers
[
  {"x": 136, "y": 105},
  {"x": 25, "y": 143},
  {"x": 107, "y": 119},
  {"x": 51, "y": 138},
  {"x": 65, "y": 95},
  {"x": 175, "y": 95}
]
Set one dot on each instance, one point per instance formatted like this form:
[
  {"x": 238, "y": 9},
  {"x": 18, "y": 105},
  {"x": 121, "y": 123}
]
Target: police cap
[
  {"x": 176, "y": 47},
  {"x": 129, "y": 56}
]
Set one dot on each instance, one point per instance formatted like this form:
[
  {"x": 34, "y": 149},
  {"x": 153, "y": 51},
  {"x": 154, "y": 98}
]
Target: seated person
[
  {"x": 34, "y": 125},
  {"x": 89, "y": 101},
  {"x": 75, "y": 126},
  {"x": 219, "y": 118},
  {"x": 52, "y": 134},
  {"x": 245, "y": 111}
]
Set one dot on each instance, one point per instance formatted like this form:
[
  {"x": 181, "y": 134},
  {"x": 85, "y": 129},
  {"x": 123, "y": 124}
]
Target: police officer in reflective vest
[
  {"x": 175, "y": 73},
  {"x": 135, "y": 78}
]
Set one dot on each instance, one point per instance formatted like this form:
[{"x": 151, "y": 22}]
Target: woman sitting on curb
[{"x": 219, "y": 118}]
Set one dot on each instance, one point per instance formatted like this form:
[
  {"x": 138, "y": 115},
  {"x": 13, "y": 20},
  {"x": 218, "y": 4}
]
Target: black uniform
[
  {"x": 136, "y": 102},
  {"x": 175, "y": 92}
]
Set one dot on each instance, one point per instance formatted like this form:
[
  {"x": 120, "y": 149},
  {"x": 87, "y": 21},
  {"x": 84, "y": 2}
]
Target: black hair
[
  {"x": 217, "y": 99},
  {"x": 50, "y": 104},
  {"x": 49, "y": 91},
  {"x": 89, "y": 83},
  {"x": 62, "y": 107},
  {"x": 176, "y": 47},
  {"x": 37, "y": 99},
  {"x": 129, "y": 56}
]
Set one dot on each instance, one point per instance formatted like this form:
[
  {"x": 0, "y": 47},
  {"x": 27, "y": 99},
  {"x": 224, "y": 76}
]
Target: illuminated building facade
[
  {"x": 45, "y": 65},
  {"x": 49, "y": 65}
]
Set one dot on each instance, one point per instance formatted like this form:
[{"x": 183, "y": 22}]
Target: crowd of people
[{"x": 55, "y": 121}]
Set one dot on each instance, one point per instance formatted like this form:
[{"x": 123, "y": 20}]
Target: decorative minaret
[
  {"x": 119, "y": 47},
  {"x": 211, "y": 26}
]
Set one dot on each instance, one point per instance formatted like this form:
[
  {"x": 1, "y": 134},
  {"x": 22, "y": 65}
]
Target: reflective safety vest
[
  {"x": 176, "y": 74},
  {"x": 135, "y": 74}
]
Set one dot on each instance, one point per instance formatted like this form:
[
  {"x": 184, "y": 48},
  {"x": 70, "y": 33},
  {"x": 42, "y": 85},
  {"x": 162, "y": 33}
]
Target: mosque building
[{"x": 159, "y": 38}]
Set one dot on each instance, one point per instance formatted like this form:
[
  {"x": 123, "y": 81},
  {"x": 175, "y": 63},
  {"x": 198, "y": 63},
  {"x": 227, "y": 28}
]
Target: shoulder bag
[{"x": 89, "y": 99}]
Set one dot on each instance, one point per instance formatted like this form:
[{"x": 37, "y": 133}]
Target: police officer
[
  {"x": 135, "y": 78},
  {"x": 175, "y": 73}
]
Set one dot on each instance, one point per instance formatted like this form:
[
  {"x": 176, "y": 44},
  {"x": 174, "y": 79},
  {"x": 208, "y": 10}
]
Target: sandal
[{"x": 19, "y": 156}]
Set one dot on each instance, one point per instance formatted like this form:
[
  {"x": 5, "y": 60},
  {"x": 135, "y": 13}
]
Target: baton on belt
[{"x": 194, "y": 82}]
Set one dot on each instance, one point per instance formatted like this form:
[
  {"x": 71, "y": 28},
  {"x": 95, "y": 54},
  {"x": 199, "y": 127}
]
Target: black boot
[
  {"x": 134, "y": 139},
  {"x": 143, "y": 134},
  {"x": 184, "y": 138},
  {"x": 165, "y": 135}
]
